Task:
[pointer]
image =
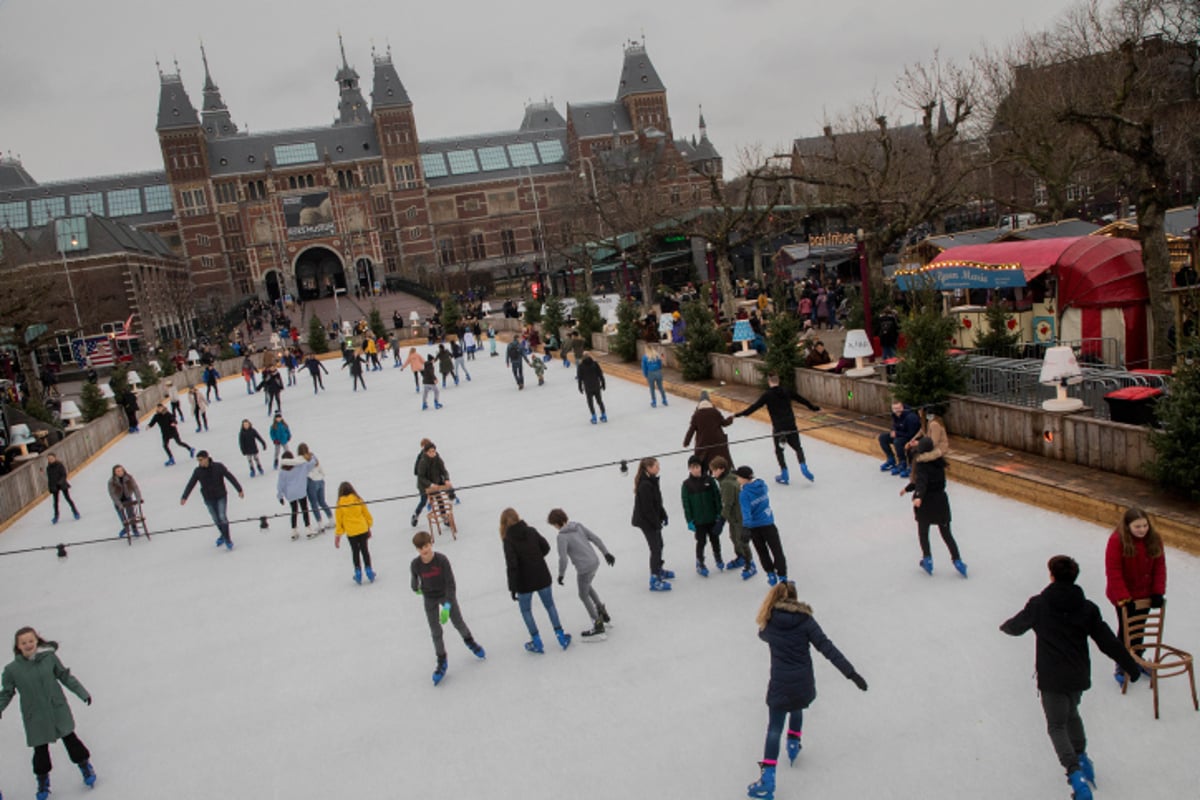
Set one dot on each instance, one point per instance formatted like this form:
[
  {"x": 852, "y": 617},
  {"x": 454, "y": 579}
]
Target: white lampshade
[
  {"x": 1059, "y": 369},
  {"x": 134, "y": 378},
  {"x": 69, "y": 411},
  {"x": 857, "y": 345},
  {"x": 156, "y": 366},
  {"x": 414, "y": 316},
  {"x": 19, "y": 434},
  {"x": 106, "y": 392}
]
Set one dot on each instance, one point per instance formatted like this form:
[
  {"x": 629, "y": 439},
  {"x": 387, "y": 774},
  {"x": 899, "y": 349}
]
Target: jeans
[
  {"x": 591, "y": 600},
  {"x": 316, "y": 499},
  {"x": 654, "y": 378},
  {"x": 1065, "y": 727},
  {"x": 518, "y": 372},
  {"x": 893, "y": 449},
  {"x": 775, "y": 720},
  {"x": 216, "y": 509},
  {"x": 525, "y": 601}
]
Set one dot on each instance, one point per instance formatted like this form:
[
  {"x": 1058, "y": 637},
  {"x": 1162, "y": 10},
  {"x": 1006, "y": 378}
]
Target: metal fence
[{"x": 1104, "y": 351}]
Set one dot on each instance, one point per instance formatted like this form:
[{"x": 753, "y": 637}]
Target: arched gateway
[{"x": 319, "y": 271}]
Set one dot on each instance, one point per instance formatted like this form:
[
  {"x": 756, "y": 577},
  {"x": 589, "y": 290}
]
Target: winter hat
[
  {"x": 703, "y": 396},
  {"x": 744, "y": 472}
]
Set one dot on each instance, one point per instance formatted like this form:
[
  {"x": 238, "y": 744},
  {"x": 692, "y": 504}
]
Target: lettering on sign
[{"x": 831, "y": 239}]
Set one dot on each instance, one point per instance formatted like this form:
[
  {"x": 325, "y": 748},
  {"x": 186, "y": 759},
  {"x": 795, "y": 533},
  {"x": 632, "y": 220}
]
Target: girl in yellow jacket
[{"x": 354, "y": 521}]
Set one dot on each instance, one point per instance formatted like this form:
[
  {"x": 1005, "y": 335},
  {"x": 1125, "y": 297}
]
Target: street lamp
[
  {"x": 865, "y": 275},
  {"x": 538, "y": 213},
  {"x": 711, "y": 259},
  {"x": 62, "y": 251}
]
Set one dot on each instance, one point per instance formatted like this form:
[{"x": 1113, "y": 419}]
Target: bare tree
[
  {"x": 893, "y": 178},
  {"x": 29, "y": 300}
]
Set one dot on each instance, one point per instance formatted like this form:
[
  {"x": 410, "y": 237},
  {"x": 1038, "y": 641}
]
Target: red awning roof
[{"x": 1095, "y": 271}]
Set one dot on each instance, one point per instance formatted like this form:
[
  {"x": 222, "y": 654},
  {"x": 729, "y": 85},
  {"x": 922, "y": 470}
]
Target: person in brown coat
[{"x": 708, "y": 426}]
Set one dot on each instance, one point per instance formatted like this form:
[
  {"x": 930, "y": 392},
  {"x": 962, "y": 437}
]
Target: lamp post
[
  {"x": 865, "y": 275},
  {"x": 538, "y": 214},
  {"x": 711, "y": 259},
  {"x": 62, "y": 251}
]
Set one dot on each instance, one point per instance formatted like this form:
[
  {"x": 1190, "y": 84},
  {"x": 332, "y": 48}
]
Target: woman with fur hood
[
  {"x": 708, "y": 426},
  {"x": 788, "y": 627}
]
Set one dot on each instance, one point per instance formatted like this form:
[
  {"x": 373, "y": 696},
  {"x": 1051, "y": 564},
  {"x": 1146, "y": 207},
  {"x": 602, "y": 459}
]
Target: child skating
[
  {"x": 731, "y": 511},
  {"x": 248, "y": 441},
  {"x": 433, "y": 579},
  {"x": 575, "y": 544},
  {"x": 759, "y": 523},
  {"x": 650, "y": 517},
  {"x": 36, "y": 674},
  {"x": 280, "y": 435},
  {"x": 57, "y": 483},
  {"x": 931, "y": 506},
  {"x": 789, "y": 629},
  {"x": 354, "y": 521},
  {"x": 701, "y": 498}
]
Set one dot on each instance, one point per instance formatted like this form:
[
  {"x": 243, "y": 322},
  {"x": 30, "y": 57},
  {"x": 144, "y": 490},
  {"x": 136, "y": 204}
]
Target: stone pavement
[{"x": 1092, "y": 495}]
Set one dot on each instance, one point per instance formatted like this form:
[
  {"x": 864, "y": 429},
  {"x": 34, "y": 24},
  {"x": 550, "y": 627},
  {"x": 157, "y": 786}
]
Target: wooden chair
[
  {"x": 1158, "y": 659},
  {"x": 441, "y": 512}
]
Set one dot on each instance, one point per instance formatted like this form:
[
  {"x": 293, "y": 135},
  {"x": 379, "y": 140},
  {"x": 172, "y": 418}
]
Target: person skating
[
  {"x": 1135, "y": 572},
  {"x": 248, "y": 373},
  {"x": 652, "y": 370},
  {"x": 126, "y": 496},
  {"x": 759, "y": 523},
  {"x": 35, "y": 674},
  {"x": 432, "y": 476},
  {"x": 128, "y": 402},
  {"x": 370, "y": 351},
  {"x": 905, "y": 425},
  {"x": 778, "y": 401},
  {"x": 650, "y": 517},
  {"x": 430, "y": 384},
  {"x": 212, "y": 476},
  {"x": 578, "y": 347},
  {"x": 446, "y": 365},
  {"x": 57, "y": 483},
  {"x": 165, "y": 420},
  {"x": 415, "y": 363},
  {"x": 515, "y": 358},
  {"x": 590, "y": 378},
  {"x": 1063, "y": 620},
  {"x": 271, "y": 384},
  {"x": 248, "y": 441},
  {"x": 211, "y": 379},
  {"x": 291, "y": 488},
  {"x": 355, "y": 362},
  {"x": 539, "y": 369},
  {"x": 433, "y": 580},
  {"x": 280, "y": 435},
  {"x": 525, "y": 552},
  {"x": 456, "y": 351},
  {"x": 315, "y": 368},
  {"x": 171, "y": 395},
  {"x": 701, "y": 497},
  {"x": 491, "y": 335},
  {"x": 470, "y": 343},
  {"x": 708, "y": 427},
  {"x": 354, "y": 521},
  {"x": 931, "y": 506},
  {"x": 291, "y": 362},
  {"x": 199, "y": 407},
  {"x": 789, "y": 629},
  {"x": 574, "y": 543},
  {"x": 731, "y": 512},
  {"x": 316, "y": 488}
]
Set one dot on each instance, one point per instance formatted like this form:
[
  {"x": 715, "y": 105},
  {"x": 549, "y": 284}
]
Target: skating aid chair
[
  {"x": 441, "y": 512},
  {"x": 1158, "y": 659}
]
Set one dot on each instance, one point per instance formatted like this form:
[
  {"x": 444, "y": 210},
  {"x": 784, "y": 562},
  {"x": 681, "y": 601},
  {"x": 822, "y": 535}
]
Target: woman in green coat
[{"x": 35, "y": 674}]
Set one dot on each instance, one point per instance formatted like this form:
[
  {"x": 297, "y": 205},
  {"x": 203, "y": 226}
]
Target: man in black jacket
[
  {"x": 211, "y": 475},
  {"x": 778, "y": 401},
  {"x": 1063, "y": 620},
  {"x": 590, "y": 378},
  {"x": 165, "y": 420}
]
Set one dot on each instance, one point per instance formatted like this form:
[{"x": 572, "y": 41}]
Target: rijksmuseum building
[{"x": 365, "y": 198}]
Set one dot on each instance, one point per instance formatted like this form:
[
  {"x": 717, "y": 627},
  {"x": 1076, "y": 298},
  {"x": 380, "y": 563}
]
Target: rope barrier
[{"x": 61, "y": 548}]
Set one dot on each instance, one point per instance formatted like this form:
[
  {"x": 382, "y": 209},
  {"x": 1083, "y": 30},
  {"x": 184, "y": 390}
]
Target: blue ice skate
[
  {"x": 564, "y": 639},
  {"x": 657, "y": 584},
  {"x": 782, "y": 477},
  {"x": 961, "y": 567},
  {"x": 701, "y": 570},
  {"x": 1087, "y": 768},
  {"x": 749, "y": 571},
  {"x": 535, "y": 645},
  {"x": 793, "y": 748},
  {"x": 358, "y": 576},
  {"x": 593, "y": 419},
  {"x": 370, "y": 575},
  {"x": 772, "y": 579},
  {"x": 89, "y": 774},
  {"x": 666, "y": 574},
  {"x": 1079, "y": 787},
  {"x": 604, "y": 417},
  {"x": 440, "y": 671},
  {"x": 805, "y": 472},
  {"x": 43, "y": 790},
  {"x": 477, "y": 649},
  {"x": 765, "y": 787},
  {"x": 170, "y": 462},
  {"x": 888, "y": 465},
  {"x": 736, "y": 563},
  {"x": 927, "y": 565}
]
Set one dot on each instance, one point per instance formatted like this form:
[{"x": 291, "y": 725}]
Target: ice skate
[
  {"x": 806, "y": 473},
  {"x": 736, "y": 563},
  {"x": 764, "y": 788},
  {"x": 793, "y": 748},
  {"x": 534, "y": 645},
  {"x": 440, "y": 671},
  {"x": 358, "y": 576},
  {"x": 772, "y": 579},
  {"x": 782, "y": 477},
  {"x": 604, "y": 417},
  {"x": 476, "y": 649},
  {"x": 927, "y": 565},
  {"x": 666, "y": 574},
  {"x": 887, "y": 465},
  {"x": 295, "y": 534},
  {"x": 370, "y": 575},
  {"x": 564, "y": 639},
  {"x": 43, "y": 788},
  {"x": 657, "y": 584},
  {"x": 961, "y": 567},
  {"x": 596, "y": 634},
  {"x": 89, "y": 774},
  {"x": 1079, "y": 787},
  {"x": 170, "y": 462},
  {"x": 701, "y": 570},
  {"x": 1088, "y": 769},
  {"x": 593, "y": 419}
]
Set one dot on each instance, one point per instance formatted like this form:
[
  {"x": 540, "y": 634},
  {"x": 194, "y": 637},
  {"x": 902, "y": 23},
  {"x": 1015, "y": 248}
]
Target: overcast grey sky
[{"x": 79, "y": 88}]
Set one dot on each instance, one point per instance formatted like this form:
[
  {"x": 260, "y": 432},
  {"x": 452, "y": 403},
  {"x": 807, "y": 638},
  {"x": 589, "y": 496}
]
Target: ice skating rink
[{"x": 265, "y": 672}]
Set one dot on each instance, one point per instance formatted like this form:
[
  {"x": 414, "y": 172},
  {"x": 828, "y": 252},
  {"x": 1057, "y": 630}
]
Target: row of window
[
  {"x": 21, "y": 214},
  {"x": 490, "y": 159},
  {"x": 475, "y": 246}
]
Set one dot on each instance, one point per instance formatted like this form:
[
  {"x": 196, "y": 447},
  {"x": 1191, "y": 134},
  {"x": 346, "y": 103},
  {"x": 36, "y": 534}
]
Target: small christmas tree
[
  {"x": 318, "y": 339},
  {"x": 782, "y": 355},
  {"x": 118, "y": 381},
  {"x": 552, "y": 317},
  {"x": 587, "y": 317},
  {"x": 93, "y": 405},
  {"x": 375, "y": 321},
  {"x": 701, "y": 338},
  {"x": 624, "y": 343},
  {"x": 998, "y": 340},
  {"x": 927, "y": 375},
  {"x": 533, "y": 311},
  {"x": 1176, "y": 463}
]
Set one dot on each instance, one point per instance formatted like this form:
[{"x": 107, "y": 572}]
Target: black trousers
[
  {"x": 655, "y": 541},
  {"x": 76, "y": 750},
  {"x": 791, "y": 440},
  {"x": 302, "y": 505},
  {"x": 947, "y": 537},
  {"x": 67, "y": 494},
  {"x": 708, "y": 534},
  {"x": 174, "y": 437},
  {"x": 317, "y": 382},
  {"x": 597, "y": 399},
  {"x": 1065, "y": 727},
  {"x": 359, "y": 551},
  {"x": 769, "y": 548}
]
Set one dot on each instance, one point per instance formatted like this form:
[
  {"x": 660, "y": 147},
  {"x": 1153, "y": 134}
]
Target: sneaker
[
  {"x": 793, "y": 748},
  {"x": 805, "y": 472},
  {"x": 961, "y": 567},
  {"x": 927, "y": 565},
  {"x": 887, "y": 465},
  {"x": 89, "y": 774},
  {"x": 701, "y": 570},
  {"x": 534, "y": 645},
  {"x": 596, "y": 634}
]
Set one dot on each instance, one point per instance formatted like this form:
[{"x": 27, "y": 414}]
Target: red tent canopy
[{"x": 1092, "y": 271}]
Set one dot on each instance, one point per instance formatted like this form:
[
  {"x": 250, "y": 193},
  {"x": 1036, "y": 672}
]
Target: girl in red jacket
[{"x": 1135, "y": 569}]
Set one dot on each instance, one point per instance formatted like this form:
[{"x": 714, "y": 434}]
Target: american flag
[{"x": 97, "y": 348}]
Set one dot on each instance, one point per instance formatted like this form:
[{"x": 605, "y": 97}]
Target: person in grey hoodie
[
  {"x": 575, "y": 543},
  {"x": 292, "y": 488}
]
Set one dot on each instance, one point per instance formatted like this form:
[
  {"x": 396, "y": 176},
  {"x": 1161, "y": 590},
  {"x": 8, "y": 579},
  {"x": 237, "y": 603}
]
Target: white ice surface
[{"x": 267, "y": 673}]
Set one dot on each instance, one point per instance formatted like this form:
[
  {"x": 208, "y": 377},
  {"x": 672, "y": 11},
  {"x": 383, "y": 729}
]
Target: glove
[
  {"x": 692, "y": 526},
  {"x": 560, "y": 580},
  {"x": 665, "y": 520},
  {"x": 281, "y": 501},
  {"x": 514, "y": 596},
  {"x": 859, "y": 681},
  {"x": 444, "y": 614},
  {"x": 417, "y": 591},
  {"x": 88, "y": 701},
  {"x": 610, "y": 559},
  {"x": 1157, "y": 601}
]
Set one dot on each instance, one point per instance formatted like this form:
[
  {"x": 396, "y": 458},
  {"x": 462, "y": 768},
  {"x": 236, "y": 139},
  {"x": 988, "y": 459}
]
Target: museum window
[
  {"x": 256, "y": 190},
  {"x": 508, "y": 242},
  {"x": 478, "y": 248},
  {"x": 445, "y": 252}
]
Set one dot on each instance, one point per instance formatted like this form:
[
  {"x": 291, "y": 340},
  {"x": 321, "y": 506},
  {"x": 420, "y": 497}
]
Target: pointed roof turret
[
  {"x": 943, "y": 117},
  {"x": 214, "y": 114},
  {"x": 703, "y": 127},
  {"x": 637, "y": 74},
  {"x": 175, "y": 109},
  {"x": 386, "y": 90},
  {"x": 352, "y": 107}
]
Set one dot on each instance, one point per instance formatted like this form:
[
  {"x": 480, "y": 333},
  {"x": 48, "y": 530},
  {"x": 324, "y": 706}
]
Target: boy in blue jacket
[{"x": 758, "y": 522}]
